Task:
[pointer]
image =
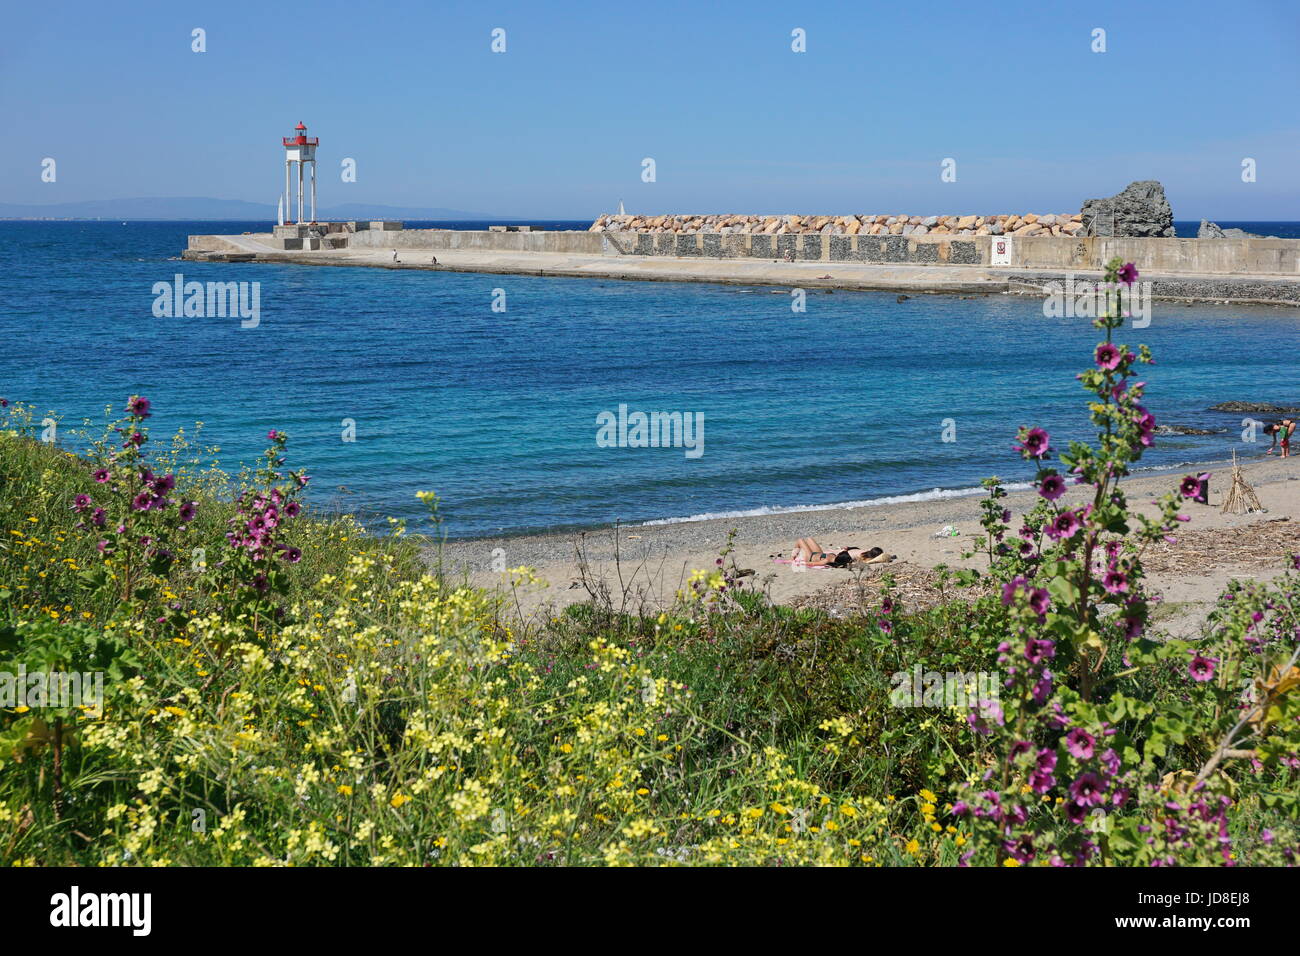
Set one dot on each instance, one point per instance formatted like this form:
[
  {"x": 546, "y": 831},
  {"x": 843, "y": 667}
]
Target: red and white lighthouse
[{"x": 300, "y": 149}]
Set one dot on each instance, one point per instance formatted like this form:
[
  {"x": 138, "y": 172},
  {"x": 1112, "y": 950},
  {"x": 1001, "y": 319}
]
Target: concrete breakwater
[
  {"x": 1030, "y": 224},
  {"x": 1237, "y": 269}
]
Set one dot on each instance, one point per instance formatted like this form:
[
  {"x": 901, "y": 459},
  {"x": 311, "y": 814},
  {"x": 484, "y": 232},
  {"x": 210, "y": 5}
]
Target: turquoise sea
[{"x": 497, "y": 410}]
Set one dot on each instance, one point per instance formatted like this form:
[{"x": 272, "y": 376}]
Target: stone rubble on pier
[{"x": 1015, "y": 225}]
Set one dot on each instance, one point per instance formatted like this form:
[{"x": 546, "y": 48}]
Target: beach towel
[{"x": 801, "y": 564}]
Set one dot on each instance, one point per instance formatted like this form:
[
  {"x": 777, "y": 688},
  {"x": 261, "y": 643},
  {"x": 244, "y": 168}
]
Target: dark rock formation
[
  {"x": 1141, "y": 210},
  {"x": 1210, "y": 230},
  {"x": 1258, "y": 408},
  {"x": 1187, "y": 430}
]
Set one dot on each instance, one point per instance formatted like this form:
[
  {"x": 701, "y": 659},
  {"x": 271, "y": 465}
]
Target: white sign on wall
[{"x": 1001, "y": 251}]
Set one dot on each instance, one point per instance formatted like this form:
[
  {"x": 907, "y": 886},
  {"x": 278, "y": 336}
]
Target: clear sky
[{"x": 558, "y": 125}]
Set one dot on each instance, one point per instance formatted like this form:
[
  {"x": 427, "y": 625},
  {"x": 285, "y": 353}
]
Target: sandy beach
[{"x": 643, "y": 566}]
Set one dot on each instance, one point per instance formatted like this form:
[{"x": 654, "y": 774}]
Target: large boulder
[{"x": 1141, "y": 210}]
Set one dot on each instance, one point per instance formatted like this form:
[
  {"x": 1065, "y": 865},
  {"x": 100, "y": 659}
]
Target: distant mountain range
[{"x": 198, "y": 207}]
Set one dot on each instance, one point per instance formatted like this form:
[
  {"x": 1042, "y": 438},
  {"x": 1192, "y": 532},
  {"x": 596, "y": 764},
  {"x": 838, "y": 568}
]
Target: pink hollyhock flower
[
  {"x": 138, "y": 406},
  {"x": 1115, "y": 582},
  {"x": 1108, "y": 356},
  {"x": 1087, "y": 789},
  {"x": 1035, "y": 443},
  {"x": 1201, "y": 668},
  {"x": 1127, "y": 274},
  {"x": 1052, "y": 487},
  {"x": 1080, "y": 743},
  {"x": 1065, "y": 526},
  {"x": 80, "y": 503}
]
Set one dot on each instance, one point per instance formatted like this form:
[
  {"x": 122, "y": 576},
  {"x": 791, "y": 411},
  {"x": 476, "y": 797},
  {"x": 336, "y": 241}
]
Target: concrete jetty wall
[{"x": 1244, "y": 256}]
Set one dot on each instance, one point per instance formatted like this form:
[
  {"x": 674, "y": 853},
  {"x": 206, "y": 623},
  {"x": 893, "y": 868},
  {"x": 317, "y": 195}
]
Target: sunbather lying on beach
[{"x": 809, "y": 552}]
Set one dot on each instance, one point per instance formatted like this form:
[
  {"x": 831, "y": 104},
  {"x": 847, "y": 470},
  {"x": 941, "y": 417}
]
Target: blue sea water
[{"x": 496, "y": 411}]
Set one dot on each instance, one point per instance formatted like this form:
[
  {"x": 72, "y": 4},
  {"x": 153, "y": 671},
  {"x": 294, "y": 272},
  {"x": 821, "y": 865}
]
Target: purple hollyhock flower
[
  {"x": 1088, "y": 789},
  {"x": 186, "y": 511},
  {"x": 1018, "y": 748},
  {"x": 1009, "y": 589},
  {"x": 142, "y": 502},
  {"x": 1127, "y": 274},
  {"x": 1201, "y": 668},
  {"x": 1076, "y": 811},
  {"x": 292, "y": 509},
  {"x": 1051, "y": 487},
  {"x": 98, "y": 517},
  {"x": 1040, "y": 781},
  {"x": 138, "y": 406},
  {"x": 1046, "y": 759},
  {"x": 1115, "y": 582},
  {"x": 101, "y": 475},
  {"x": 1110, "y": 760},
  {"x": 80, "y": 502},
  {"x": 1108, "y": 356},
  {"x": 1043, "y": 689},
  {"x": 1190, "y": 487},
  {"x": 101, "y": 545},
  {"x": 164, "y": 484},
  {"x": 1039, "y": 649},
  {"x": 273, "y": 435},
  {"x": 292, "y": 555},
  {"x": 1040, "y": 601},
  {"x": 1132, "y": 627},
  {"x": 1035, "y": 444},
  {"x": 302, "y": 480},
  {"x": 1080, "y": 743}
]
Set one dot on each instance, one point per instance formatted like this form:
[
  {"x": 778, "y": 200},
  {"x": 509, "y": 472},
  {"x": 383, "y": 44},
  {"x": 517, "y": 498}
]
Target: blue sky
[{"x": 558, "y": 125}]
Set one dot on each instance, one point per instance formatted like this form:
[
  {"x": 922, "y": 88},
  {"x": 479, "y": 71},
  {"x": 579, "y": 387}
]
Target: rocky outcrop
[
  {"x": 1255, "y": 408},
  {"x": 1141, "y": 210},
  {"x": 1210, "y": 230},
  {"x": 1026, "y": 225}
]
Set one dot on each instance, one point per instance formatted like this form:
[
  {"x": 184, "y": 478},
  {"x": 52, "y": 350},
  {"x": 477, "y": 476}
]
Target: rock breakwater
[{"x": 1030, "y": 224}]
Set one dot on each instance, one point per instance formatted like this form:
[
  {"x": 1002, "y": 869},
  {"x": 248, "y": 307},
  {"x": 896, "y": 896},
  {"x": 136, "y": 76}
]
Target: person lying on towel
[{"x": 809, "y": 552}]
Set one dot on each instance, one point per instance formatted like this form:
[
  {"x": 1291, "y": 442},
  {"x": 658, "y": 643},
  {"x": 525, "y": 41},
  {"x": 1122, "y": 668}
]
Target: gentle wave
[{"x": 935, "y": 494}]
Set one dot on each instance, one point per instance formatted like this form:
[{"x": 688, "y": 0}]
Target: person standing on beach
[
  {"x": 1281, "y": 431},
  {"x": 394, "y": 255}
]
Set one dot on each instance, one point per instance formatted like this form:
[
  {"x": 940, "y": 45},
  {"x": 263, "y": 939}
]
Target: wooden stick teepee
[{"x": 1241, "y": 498}]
